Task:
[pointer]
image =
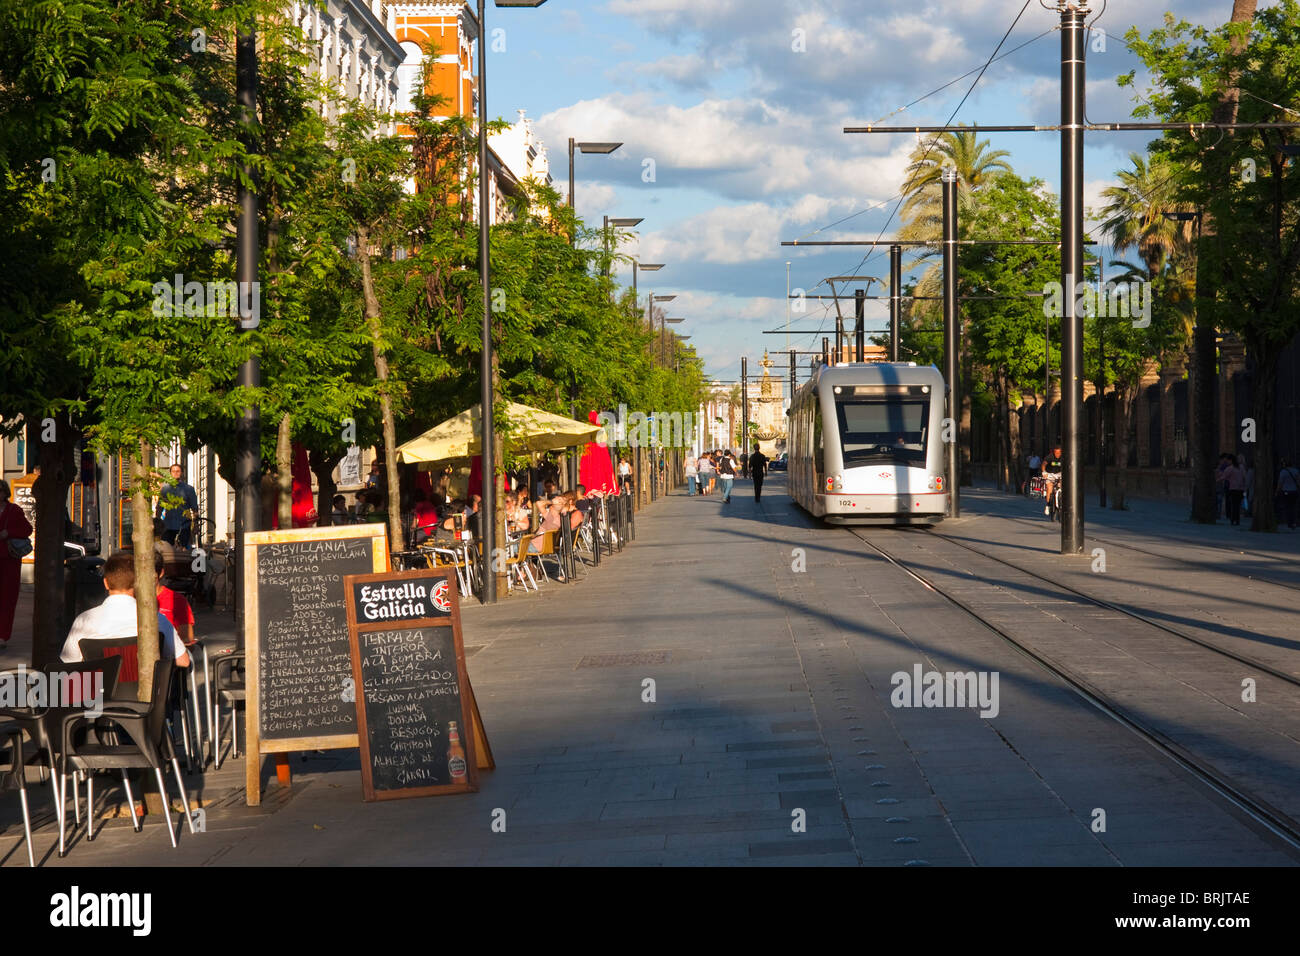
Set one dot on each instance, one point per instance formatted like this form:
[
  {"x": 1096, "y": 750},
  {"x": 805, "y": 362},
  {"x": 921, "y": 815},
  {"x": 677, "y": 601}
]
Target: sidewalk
[{"x": 724, "y": 678}]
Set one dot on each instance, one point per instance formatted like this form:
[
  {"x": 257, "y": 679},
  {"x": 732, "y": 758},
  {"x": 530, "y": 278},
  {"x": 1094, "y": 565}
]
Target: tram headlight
[{"x": 936, "y": 483}]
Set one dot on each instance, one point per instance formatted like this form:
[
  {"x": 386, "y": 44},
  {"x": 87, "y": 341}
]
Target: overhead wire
[{"x": 934, "y": 140}]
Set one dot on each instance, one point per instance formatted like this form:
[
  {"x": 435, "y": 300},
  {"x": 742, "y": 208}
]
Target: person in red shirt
[
  {"x": 426, "y": 519},
  {"x": 174, "y": 606},
  {"x": 13, "y": 525}
]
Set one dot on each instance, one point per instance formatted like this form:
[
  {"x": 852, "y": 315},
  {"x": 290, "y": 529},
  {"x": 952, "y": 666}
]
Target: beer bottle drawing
[{"x": 455, "y": 754}]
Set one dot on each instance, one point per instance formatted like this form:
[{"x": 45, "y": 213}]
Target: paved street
[{"x": 771, "y": 738}]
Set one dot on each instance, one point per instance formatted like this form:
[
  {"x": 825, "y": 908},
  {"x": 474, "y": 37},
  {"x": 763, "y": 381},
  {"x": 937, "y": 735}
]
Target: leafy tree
[{"x": 1249, "y": 249}]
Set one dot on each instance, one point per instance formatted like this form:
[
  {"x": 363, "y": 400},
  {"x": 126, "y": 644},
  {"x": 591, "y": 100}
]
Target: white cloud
[{"x": 742, "y": 148}]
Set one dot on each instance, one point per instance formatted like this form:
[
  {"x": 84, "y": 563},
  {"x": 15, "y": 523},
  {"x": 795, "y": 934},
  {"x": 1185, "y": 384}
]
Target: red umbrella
[{"x": 595, "y": 470}]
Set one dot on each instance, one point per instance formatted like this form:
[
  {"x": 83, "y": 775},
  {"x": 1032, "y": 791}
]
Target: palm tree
[
  {"x": 1134, "y": 213},
  {"x": 977, "y": 166}
]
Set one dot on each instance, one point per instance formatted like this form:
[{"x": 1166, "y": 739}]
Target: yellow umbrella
[{"x": 531, "y": 430}]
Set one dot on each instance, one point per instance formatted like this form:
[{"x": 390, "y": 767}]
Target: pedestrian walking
[
  {"x": 1234, "y": 480},
  {"x": 691, "y": 473},
  {"x": 1288, "y": 492},
  {"x": 705, "y": 468},
  {"x": 757, "y": 469},
  {"x": 727, "y": 469},
  {"x": 15, "y": 542}
]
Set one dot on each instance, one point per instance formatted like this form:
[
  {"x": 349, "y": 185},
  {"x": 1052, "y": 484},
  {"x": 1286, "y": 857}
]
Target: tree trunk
[
  {"x": 1204, "y": 364},
  {"x": 395, "y": 541},
  {"x": 1015, "y": 447},
  {"x": 1262, "y": 514},
  {"x": 1125, "y": 403},
  {"x": 146, "y": 579},
  {"x": 322, "y": 466},
  {"x": 1202, "y": 448},
  {"x": 49, "y": 619},
  {"x": 284, "y": 472}
]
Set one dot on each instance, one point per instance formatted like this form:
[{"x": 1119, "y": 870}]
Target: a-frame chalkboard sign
[
  {"x": 299, "y": 693},
  {"x": 419, "y": 730}
]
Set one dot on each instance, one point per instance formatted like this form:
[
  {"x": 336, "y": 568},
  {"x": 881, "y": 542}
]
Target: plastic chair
[
  {"x": 547, "y": 550},
  {"x": 149, "y": 746},
  {"x": 518, "y": 562},
  {"x": 14, "y": 777},
  {"x": 127, "y": 649},
  {"x": 43, "y": 725},
  {"x": 230, "y": 689}
]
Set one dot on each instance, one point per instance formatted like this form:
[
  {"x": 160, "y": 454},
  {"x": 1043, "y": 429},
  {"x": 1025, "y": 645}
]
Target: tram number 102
[{"x": 846, "y": 502}]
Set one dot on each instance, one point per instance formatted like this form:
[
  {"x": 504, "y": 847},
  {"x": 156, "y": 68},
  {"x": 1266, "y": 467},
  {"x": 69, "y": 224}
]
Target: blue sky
[{"x": 744, "y": 130}]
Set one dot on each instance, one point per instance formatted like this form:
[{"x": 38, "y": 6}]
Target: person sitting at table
[
  {"x": 339, "y": 513},
  {"x": 426, "y": 519},
  {"x": 116, "y": 617},
  {"x": 551, "y": 519},
  {"x": 173, "y": 605}
]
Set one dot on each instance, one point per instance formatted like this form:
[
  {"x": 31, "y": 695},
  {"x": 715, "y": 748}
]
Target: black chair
[
  {"x": 128, "y": 686},
  {"x": 147, "y": 745},
  {"x": 13, "y": 776},
  {"x": 228, "y": 684},
  {"x": 43, "y": 725}
]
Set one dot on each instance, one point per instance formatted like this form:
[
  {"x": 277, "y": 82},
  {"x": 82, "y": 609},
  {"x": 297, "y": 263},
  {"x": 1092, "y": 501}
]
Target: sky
[{"x": 731, "y": 113}]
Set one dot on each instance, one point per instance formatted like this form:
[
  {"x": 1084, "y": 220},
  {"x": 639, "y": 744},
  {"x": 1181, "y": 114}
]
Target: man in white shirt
[{"x": 116, "y": 617}]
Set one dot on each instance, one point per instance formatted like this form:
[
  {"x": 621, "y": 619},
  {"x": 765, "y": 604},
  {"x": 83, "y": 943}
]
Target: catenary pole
[
  {"x": 1073, "y": 37},
  {"x": 487, "y": 389},
  {"x": 951, "y": 342},
  {"x": 895, "y": 297}
]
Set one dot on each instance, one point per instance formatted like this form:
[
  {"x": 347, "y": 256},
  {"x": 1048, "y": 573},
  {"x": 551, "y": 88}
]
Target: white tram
[{"x": 865, "y": 444}]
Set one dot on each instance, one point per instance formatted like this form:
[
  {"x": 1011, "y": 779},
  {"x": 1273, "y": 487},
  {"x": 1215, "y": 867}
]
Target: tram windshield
[{"x": 876, "y": 430}]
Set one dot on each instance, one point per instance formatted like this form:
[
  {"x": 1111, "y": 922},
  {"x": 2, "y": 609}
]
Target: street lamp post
[
  {"x": 644, "y": 267},
  {"x": 488, "y": 362},
  {"x": 663, "y": 339},
  {"x": 617, "y": 222},
  {"x": 650, "y": 301},
  {"x": 604, "y": 148}
]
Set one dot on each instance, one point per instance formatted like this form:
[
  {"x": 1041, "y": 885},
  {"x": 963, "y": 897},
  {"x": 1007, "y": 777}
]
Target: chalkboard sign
[
  {"x": 299, "y": 673},
  {"x": 414, "y": 704}
]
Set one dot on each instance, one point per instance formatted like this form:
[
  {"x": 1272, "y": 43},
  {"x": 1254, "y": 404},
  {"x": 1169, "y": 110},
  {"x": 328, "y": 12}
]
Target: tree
[{"x": 1249, "y": 250}]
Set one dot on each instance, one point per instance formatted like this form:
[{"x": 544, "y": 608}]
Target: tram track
[
  {"x": 1282, "y": 826},
  {"x": 1120, "y": 609},
  {"x": 1259, "y": 579}
]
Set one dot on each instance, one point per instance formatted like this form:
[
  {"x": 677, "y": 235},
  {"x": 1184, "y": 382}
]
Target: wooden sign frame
[
  {"x": 255, "y": 746},
  {"x": 470, "y": 722}
]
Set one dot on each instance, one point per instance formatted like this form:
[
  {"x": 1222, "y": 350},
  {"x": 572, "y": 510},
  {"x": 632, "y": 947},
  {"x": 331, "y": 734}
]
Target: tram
[{"x": 865, "y": 444}]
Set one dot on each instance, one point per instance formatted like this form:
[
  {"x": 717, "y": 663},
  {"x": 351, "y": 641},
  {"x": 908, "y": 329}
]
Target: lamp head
[{"x": 598, "y": 147}]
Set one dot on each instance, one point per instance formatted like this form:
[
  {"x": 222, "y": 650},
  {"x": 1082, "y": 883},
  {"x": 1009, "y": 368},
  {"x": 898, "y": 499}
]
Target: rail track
[{"x": 1283, "y": 827}]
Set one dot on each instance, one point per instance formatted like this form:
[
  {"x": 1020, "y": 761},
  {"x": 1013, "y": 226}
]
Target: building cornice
[{"x": 359, "y": 10}]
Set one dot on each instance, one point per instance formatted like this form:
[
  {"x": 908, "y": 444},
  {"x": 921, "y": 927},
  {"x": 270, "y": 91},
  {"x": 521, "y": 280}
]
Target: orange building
[{"x": 447, "y": 32}]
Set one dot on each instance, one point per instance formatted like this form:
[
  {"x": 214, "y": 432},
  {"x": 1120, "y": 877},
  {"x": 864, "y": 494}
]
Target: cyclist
[{"x": 1052, "y": 468}]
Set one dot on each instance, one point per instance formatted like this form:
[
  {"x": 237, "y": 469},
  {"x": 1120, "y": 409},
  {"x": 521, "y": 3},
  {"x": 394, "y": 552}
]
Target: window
[{"x": 883, "y": 430}]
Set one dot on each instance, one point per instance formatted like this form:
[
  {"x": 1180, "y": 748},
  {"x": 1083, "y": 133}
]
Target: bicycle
[{"x": 1038, "y": 489}]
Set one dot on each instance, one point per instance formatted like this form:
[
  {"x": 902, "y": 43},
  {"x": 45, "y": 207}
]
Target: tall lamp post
[
  {"x": 623, "y": 222},
  {"x": 644, "y": 267},
  {"x": 248, "y": 460},
  {"x": 487, "y": 366},
  {"x": 604, "y": 148},
  {"x": 650, "y": 301},
  {"x": 663, "y": 339}
]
